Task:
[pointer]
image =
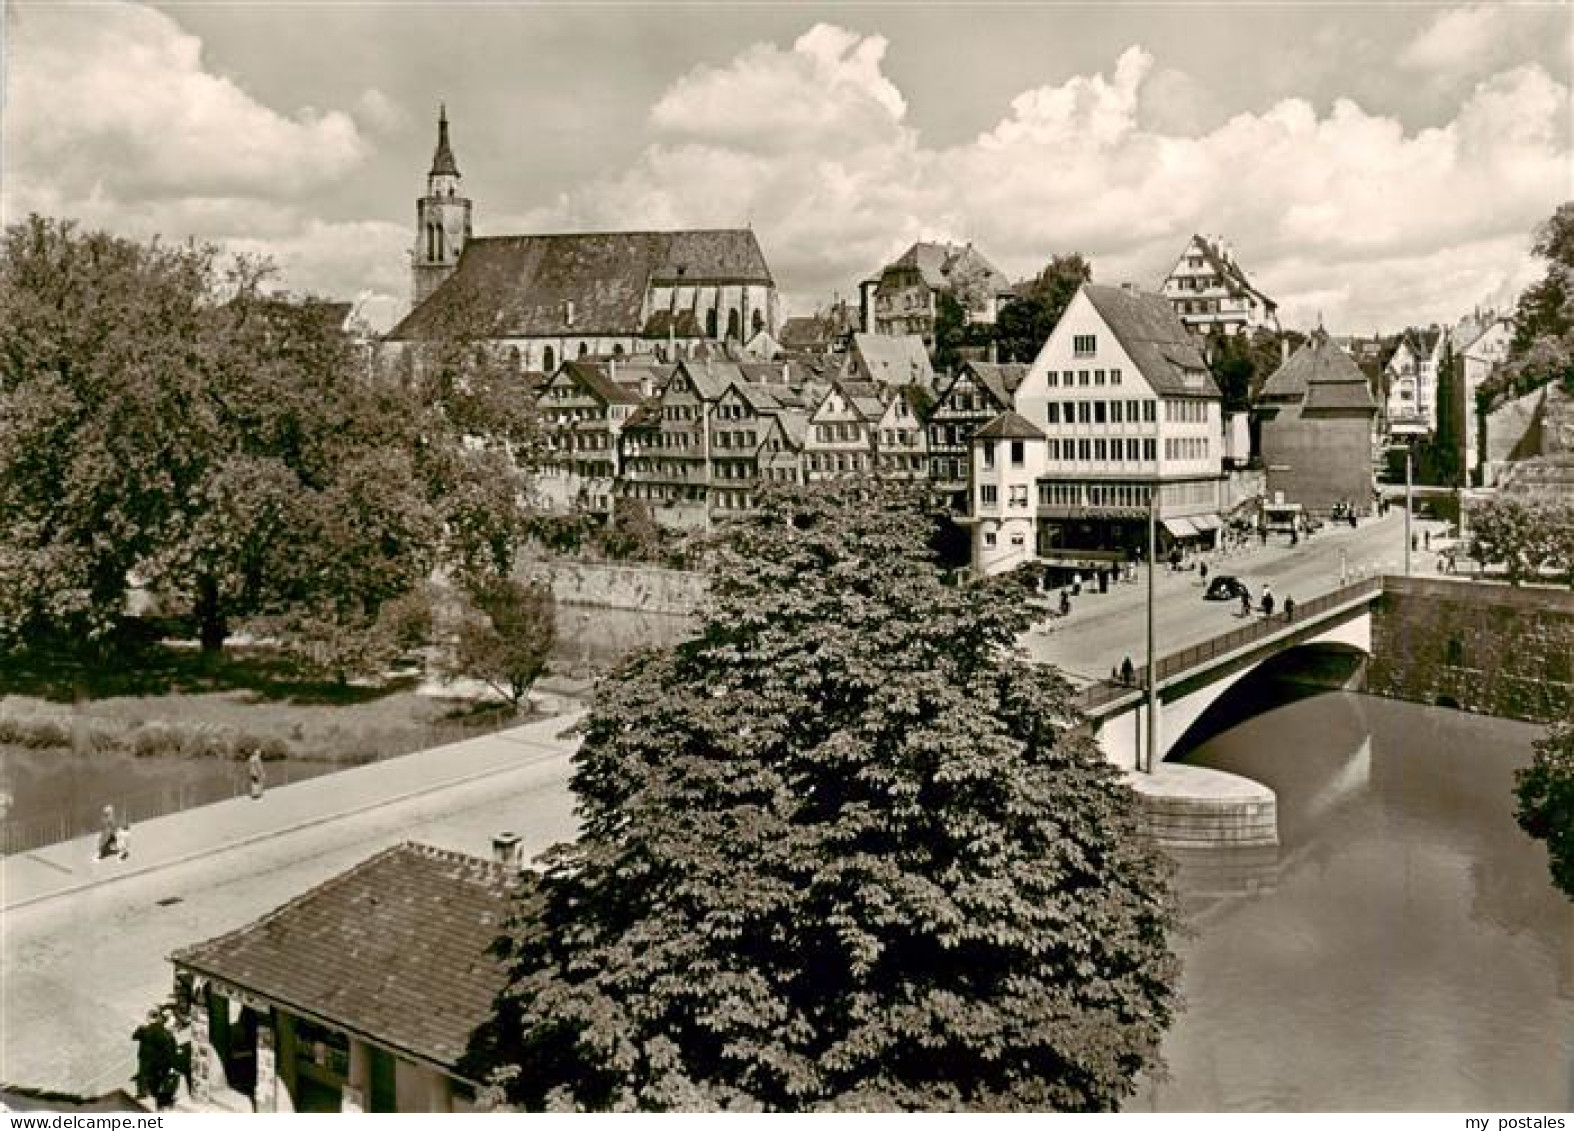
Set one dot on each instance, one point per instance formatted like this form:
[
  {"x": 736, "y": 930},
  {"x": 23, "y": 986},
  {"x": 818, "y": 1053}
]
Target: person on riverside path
[
  {"x": 1289, "y": 608},
  {"x": 1267, "y": 603},
  {"x": 1127, "y": 672},
  {"x": 255, "y": 774},
  {"x": 1202, "y": 570},
  {"x": 1246, "y": 602},
  {"x": 1065, "y": 603}
]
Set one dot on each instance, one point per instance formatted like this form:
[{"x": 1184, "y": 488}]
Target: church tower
[{"x": 442, "y": 220}]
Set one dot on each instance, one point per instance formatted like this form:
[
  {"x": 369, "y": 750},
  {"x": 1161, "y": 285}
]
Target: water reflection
[{"x": 1405, "y": 951}]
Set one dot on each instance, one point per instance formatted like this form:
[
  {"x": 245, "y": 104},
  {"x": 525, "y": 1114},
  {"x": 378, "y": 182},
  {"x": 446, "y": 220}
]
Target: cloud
[
  {"x": 378, "y": 112},
  {"x": 1342, "y": 209},
  {"x": 1455, "y": 41}
]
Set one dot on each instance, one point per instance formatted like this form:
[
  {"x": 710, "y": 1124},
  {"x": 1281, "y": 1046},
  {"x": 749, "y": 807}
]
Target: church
[{"x": 546, "y": 299}]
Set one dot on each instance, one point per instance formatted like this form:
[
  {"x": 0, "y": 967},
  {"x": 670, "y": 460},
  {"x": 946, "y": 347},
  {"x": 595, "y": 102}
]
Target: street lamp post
[
  {"x": 1409, "y": 488},
  {"x": 1153, "y": 569}
]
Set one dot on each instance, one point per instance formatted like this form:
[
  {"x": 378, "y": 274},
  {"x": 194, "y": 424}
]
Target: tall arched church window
[
  {"x": 710, "y": 322},
  {"x": 513, "y": 358},
  {"x": 758, "y": 321},
  {"x": 584, "y": 349},
  {"x": 549, "y": 360},
  {"x": 734, "y": 323}
]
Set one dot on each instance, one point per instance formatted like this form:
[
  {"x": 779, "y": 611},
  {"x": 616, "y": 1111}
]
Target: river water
[{"x": 1405, "y": 950}]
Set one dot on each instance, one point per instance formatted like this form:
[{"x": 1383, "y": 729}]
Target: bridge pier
[{"x": 1191, "y": 807}]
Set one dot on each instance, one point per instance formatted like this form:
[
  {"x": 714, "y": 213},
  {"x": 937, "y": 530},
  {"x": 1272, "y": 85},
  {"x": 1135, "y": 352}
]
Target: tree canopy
[
  {"x": 1542, "y": 349},
  {"x": 1024, "y": 324},
  {"x": 164, "y": 417},
  {"x": 1545, "y": 791},
  {"x": 845, "y": 849}
]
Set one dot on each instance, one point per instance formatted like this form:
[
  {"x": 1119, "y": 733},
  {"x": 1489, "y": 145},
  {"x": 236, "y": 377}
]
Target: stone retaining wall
[
  {"x": 645, "y": 589},
  {"x": 1492, "y": 649}
]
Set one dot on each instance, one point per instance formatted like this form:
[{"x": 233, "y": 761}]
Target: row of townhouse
[{"x": 694, "y": 440}]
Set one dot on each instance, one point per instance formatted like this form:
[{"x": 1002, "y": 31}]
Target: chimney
[
  {"x": 568, "y": 312},
  {"x": 1284, "y": 349},
  {"x": 506, "y": 849},
  {"x": 994, "y": 352},
  {"x": 612, "y": 368}
]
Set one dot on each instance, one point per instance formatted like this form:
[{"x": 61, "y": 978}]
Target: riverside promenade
[{"x": 84, "y": 943}]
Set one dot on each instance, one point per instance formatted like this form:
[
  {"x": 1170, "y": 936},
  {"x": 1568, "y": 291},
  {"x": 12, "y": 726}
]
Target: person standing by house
[
  {"x": 255, "y": 774},
  {"x": 158, "y": 1056}
]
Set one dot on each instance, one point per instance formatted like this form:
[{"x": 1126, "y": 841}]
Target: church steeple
[
  {"x": 443, "y": 163},
  {"x": 442, "y": 220}
]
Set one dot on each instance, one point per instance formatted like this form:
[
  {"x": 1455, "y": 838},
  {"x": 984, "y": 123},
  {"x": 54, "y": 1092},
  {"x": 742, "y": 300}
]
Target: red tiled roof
[
  {"x": 397, "y": 949},
  {"x": 1009, "y": 426}
]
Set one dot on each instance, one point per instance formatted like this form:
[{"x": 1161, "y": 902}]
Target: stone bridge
[{"x": 1195, "y": 678}]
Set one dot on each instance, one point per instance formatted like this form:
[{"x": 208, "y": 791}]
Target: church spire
[{"x": 443, "y": 163}]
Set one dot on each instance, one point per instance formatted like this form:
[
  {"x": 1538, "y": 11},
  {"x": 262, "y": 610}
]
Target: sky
[{"x": 1373, "y": 166}]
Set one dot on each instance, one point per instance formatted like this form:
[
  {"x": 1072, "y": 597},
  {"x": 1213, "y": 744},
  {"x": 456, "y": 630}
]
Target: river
[{"x": 1405, "y": 951}]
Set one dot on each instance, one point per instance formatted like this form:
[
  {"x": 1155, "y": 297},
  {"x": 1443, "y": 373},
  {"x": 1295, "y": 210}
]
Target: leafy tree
[
  {"x": 97, "y": 440},
  {"x": 505, "y": 637},
  {"x": 956, "y": 337},
  {"x": 633, "y": 532},
  {"x": 1545, "y": 792},
  {"x": 1542, "y": 349},
  {"x": 1024, "y": 324},
  {"x": 1519, "y": 534},
  {"x": 846, "y": 849}
]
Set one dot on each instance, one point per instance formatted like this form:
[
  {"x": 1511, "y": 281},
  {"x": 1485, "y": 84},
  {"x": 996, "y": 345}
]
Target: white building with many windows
[{"x": 1124, "y": 403}]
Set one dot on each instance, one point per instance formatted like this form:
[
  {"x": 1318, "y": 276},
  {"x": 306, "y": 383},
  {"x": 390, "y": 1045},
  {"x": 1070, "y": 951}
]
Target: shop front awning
[
  {"x": 1205, "y": 522},
  {"x": 1179, "y": 527}
]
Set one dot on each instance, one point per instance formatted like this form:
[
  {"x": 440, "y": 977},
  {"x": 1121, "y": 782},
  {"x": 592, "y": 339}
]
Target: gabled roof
[
  {"x": 760, "y": 398},
  {"x": 1009, "y": 426},
  {"x": 941, "y": 264},
  {"x": 794, "y": 424},
  {"x": 1321, "y": 377},
  {"x": 595, "y": 377},
  {"x": 1153, "y": 336},
  {"x": 711, "y": 378},
  {"x": 1229, "y": 271},
  {"x": 892, "y": 359},
  {"x": 521, "y": 286},
  {"x": 1002, "y": 379},
  {"x": 398, "y": 949}
]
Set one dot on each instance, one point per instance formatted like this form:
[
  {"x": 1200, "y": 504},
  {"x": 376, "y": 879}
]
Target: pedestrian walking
[
  {"x": 1246, "y": 602},
  {"x": 1267, "y": 603},
  {"x": 1289, "y": 608},
  {"x": 1426, "y": 540},
  {"x": 1065, "y": 603},
  {"x": 1127, "y": 672},
  {"x": 1202, "y": 569},
  {"x": 158, "y": 1060},
  {"x": 1415, "y": 541},
  {"x": 255, "y": 774},
  {"x": 108, "y": 833}
]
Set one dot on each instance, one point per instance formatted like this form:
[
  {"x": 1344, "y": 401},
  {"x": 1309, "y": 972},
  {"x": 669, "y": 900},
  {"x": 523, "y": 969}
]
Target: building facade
[
  {"x": 442, "y": 221},
  {"x": 584, "y": 407},
  {"x": 1210, "y": 292},
  {"x": 1410, "y": 378},
  {"x": 1126, "y": 407},
  {"x": 1484, "y": 344},
  {"x": 978, "y": 393},
  {"x": 1317, "y": 419},
  {"x": 904, "y": 297}
]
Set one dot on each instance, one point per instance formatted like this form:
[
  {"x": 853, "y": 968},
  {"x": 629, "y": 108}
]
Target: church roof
[
  {"x": 940, "y": 264},
  {"x": 1153, "y": 336},
  {"x": 588, "y": 283}
]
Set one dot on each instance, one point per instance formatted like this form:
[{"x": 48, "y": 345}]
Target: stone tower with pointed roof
[{"x": 442, "y": 220}]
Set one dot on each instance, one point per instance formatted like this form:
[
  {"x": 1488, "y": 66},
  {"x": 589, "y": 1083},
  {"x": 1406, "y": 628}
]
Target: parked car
[{"x": 1223, "y": 587}]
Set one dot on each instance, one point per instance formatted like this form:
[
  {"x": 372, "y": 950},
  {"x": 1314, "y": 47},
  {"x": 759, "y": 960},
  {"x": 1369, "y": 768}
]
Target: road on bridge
[{"x": 1104, "y": 629}]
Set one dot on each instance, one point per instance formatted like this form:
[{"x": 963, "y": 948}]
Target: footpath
[{"x": 72, "y": 866}]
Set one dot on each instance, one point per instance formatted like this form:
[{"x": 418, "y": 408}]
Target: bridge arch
[{"x": 1316, "y": 666}]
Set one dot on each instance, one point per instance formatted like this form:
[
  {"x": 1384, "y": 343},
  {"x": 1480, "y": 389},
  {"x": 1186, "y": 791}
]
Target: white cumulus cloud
[{"x": 1344, "y": 210}]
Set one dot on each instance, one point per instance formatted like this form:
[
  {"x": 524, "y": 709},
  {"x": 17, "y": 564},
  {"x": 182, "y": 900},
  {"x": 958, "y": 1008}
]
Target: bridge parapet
[{"x": 1106, "y": 697}]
